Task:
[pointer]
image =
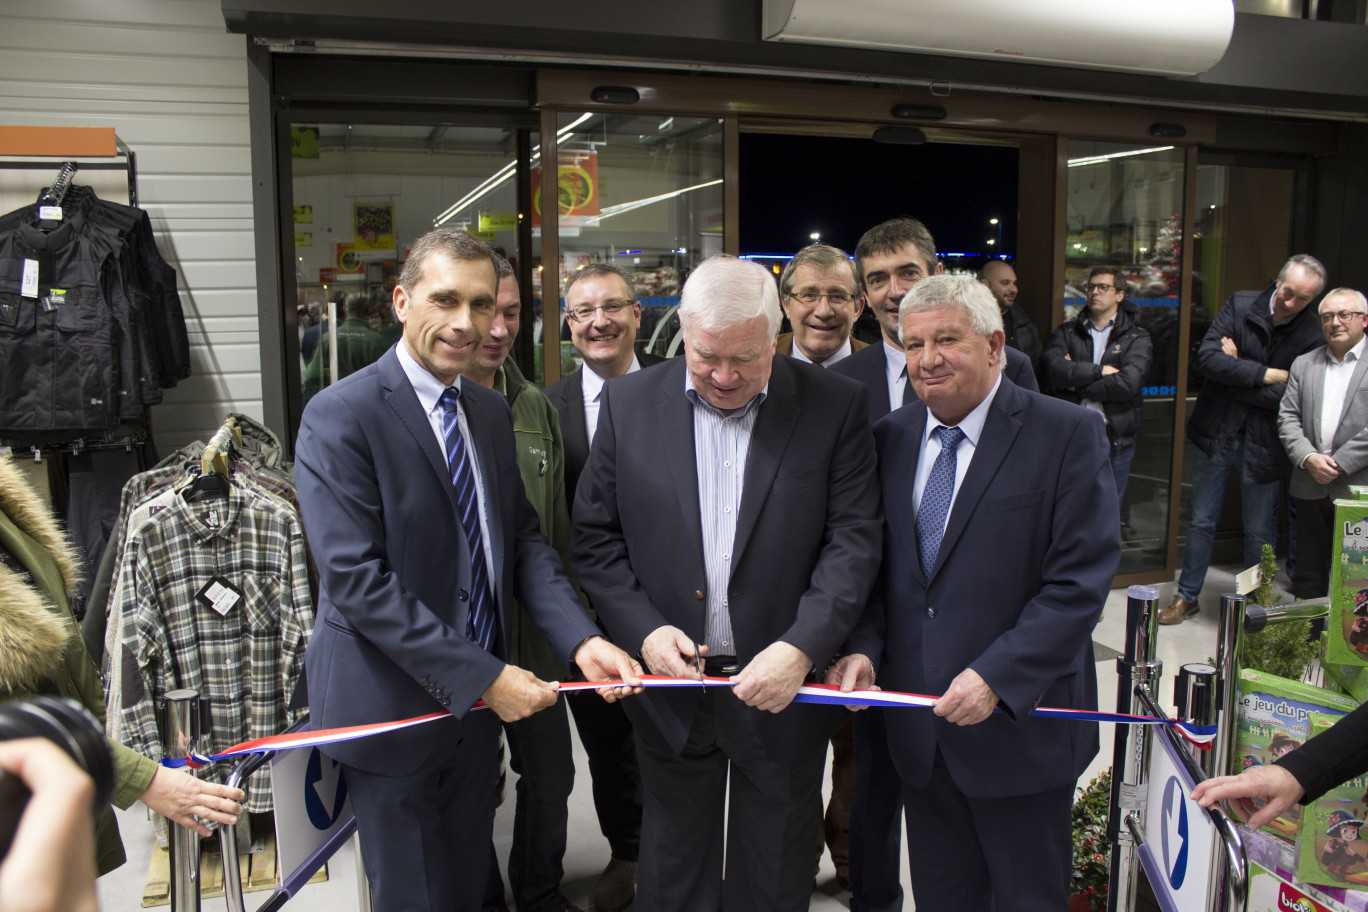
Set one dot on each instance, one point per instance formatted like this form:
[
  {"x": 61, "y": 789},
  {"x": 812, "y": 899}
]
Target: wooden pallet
[{"x": 258, "y": 873}]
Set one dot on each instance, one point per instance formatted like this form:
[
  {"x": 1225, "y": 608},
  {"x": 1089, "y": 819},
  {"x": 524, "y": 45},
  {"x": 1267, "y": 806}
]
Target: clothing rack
[
  {"x": 87, "y": 149},
  {"x": 214, "y": 461}
]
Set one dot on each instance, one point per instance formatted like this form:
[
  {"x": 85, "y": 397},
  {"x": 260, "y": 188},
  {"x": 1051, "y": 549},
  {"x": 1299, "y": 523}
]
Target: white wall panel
[{"x": 173, "y": 84}]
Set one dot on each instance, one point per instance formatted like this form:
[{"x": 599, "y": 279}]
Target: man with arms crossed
[
  {"x": 1000, "y": 543},
  {"x": 416, "y": 516},
  {"x": 729, "y": 508}
]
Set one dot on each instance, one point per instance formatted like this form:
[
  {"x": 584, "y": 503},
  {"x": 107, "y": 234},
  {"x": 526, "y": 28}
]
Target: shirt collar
[
  {"x": 428, "y": 387},
  {"x": 1353, "y": 354},
  {"x": 896, "y": 358},
  {"x": 973, "y": 423},
  {"x": 744, "y": 410},
  {"x": 592, "y": 384},
  {"x": 837, "y": 355}
]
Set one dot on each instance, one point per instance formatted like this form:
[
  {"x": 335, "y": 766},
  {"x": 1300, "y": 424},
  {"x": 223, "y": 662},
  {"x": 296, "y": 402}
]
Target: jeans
[
  {"x": 1258, "y": 506},
  {"x": 1121, "y": 459}
]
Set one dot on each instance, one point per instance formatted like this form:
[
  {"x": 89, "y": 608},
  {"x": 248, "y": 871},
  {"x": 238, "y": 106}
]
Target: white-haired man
[
  {"x": 975, "y": 463},
  {"x": 706, "y": 523}
]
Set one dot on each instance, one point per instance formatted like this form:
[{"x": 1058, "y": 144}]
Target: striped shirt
[{"x": 721, "y": 444}]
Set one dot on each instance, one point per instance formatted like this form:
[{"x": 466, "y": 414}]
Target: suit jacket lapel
[
  {"x": 401, "y": 397},
  {"x": 769, "y": 438},
  {"x": 1355, "y": 382},
  {"x": 573, "y": 428},
  {"x": 999, "y": 430},
  {"x": 899, "y": 483},
  {"x": 478, "y": 421},
  {"x": 674, "y": 414},
  {"x": 1315, "y": 390}
]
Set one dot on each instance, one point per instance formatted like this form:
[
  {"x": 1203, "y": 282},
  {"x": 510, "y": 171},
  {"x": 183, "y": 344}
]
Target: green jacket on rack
[
  {"x": 41, "y": 650},
  {"x": 541, "y": 462}
]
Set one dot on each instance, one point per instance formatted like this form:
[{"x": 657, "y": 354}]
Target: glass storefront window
[
  {"x": 643, "y": 192},
  {"x": 362, "y": 194},
  {"x": 1125, "y": 210}
]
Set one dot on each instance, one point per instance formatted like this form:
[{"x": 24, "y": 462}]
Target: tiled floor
[{"x": 1193, "y": 641}]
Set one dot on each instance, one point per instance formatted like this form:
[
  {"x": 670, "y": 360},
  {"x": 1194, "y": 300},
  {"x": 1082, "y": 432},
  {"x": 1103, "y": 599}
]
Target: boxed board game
[
  {"x": 1348, "y": 625},
  {"x": 1273, "y": 717},
  {"x": 1358, "y": 492},
  {"x": 1352, "y": 679},
  {"x": 1274, "y": 886},
  {"x": 1329, "y": 848}
]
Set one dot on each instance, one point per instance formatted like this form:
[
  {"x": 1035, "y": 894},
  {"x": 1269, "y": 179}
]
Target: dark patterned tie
[
  {"x": 480, "y": 622},
  {"x": 936, "y": 497}
]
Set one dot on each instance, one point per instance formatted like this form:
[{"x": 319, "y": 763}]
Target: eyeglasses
[
  {"x": 580, "y": 314},
  {"x": 1098, "y": 286},
  {"x": 1344, "y": 316},
  {"x": 836, "y": 298}
]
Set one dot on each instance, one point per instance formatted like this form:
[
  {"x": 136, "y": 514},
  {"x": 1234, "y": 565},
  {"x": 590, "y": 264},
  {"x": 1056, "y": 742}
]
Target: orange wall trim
[{"x": 68, "y": 142}]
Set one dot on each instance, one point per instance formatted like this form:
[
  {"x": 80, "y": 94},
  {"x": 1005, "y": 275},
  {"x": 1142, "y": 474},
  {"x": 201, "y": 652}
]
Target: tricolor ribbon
[{"x": 1199, "y": 735}]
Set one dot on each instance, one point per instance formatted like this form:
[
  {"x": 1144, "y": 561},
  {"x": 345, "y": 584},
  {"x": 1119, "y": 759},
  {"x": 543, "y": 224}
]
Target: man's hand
[
  {"x": 667, "y": 651},
  {"x": 1274, "y": 375},
  {"x": 517, "y": 693},
  {"x": 968, "y": 701},
  {"x": 1323, "y": 468},
  {"x": 771, "y": 679},
  {"x": 1272, "y": 783},
  {"x": 51, "y": 863},
  {"x": 1108, "y": 370},
  {"x": 180, "y": 798},
  {"x": 1228, "y": 346},
  {"x": 852, "y": 672},
  {"x": 600, "y": 660}
]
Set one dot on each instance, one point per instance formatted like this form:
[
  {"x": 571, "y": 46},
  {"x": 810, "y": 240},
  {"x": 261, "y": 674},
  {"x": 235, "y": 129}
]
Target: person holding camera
[{"x": 41, "y": 652}]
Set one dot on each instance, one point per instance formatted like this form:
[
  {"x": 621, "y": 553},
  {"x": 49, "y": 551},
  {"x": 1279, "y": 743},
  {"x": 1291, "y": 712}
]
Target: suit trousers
[
  {"x": 875, "y": 820},
  {"x": 774, "y": 807},
  {"x": 541, "y": 753},
  {"x": 1012, "y": 854},
  {"x": 425, "y": 836},
  {"x": 1315, "y": 524},
  {"x": 606, "y": 733}
]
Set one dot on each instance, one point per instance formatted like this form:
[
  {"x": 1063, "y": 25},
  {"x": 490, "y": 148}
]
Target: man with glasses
[
  {"x": 822, "y": 301},
  {"x": 1100, "y": 361},
  {"x": 1244, "y": 360},
  {"x": 1323, "y": 423},
  {"x": 604, "y": 316}
]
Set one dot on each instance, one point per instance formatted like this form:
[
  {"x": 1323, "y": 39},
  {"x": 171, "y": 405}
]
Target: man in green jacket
[
  {"x": 540, "y": 744},
  {"x": 41, "y": 652}
]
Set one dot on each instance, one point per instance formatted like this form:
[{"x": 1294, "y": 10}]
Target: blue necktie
[
  {"x": 936, "y": 497},
  {"x": 480, "y": 621}
]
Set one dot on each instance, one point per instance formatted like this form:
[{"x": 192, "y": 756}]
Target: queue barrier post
[{"x": 181, "y": 732}]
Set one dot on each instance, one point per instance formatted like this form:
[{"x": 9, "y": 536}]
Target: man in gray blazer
[{"x": 1323, "y": 423}]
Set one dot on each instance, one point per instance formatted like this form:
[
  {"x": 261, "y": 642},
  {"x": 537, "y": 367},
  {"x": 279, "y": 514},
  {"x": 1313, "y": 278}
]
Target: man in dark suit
[
  {"x": 707, "y": 522},
  {"x": 890, "y": 259},
  {"x": 604, "y": 316},
  {"x": 416, "y": 517},
  {"x": 1000, "y": 542}
]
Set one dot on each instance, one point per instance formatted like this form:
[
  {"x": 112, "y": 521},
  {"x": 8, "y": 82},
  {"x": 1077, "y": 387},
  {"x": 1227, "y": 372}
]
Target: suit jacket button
[
  {"x": 931, "y": 612},
  {"x": 698, "y": 594},
  {"x": 462, "y": 594}
]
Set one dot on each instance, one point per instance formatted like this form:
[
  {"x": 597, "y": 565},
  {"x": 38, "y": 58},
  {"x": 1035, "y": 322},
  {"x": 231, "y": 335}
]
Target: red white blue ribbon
[{"x": 1199, "y": 735}]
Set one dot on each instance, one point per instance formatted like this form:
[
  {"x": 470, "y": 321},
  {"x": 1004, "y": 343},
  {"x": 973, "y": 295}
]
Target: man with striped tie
[{"x": 416, "y": 516}]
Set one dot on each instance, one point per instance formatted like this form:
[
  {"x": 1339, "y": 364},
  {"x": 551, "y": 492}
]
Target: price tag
[
  {"x": 220, "y": 595},
  {"x": 29, "y": 287},
  {"x": 50, "y": 213}
]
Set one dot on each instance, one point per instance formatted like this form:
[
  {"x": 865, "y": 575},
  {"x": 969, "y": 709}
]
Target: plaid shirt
[{"x": 162, "y": 637}]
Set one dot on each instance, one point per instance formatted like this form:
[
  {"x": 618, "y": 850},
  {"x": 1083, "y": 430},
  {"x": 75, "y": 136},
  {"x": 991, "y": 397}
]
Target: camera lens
[{"x": 68, "y": 725}]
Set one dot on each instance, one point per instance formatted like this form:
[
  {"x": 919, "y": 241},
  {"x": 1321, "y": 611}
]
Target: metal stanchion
[
  {"x": 1194, "y": 695},
  {"x": 1229, "y": 640},
  {"x": 1130, "y": 756},
  {"x": 180, "y": 732}
]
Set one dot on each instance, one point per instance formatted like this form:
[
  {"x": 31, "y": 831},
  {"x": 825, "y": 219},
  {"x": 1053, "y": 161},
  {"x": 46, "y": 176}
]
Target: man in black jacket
[
  {"x": 1022, "y": 334},
  {"x": 1100, "y": 361},
  {"x": 1244, "y": 359}
]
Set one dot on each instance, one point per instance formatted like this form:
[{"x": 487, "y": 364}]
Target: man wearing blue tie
[
  {"x": 416, "y": 517},
  {"x": 1000, "y": 543}
]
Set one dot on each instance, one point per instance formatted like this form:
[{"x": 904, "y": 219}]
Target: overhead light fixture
[
  {"x": 501, "y": 176},
  {"x": 610, "y": 211},
  {"x": 1098, "y": 159},
  {"x": 606, "y": 94},
  {"x": 899, "y": 136},
  {"x": 919, "y": 112},
  {"x": 1168, "y": 130}
]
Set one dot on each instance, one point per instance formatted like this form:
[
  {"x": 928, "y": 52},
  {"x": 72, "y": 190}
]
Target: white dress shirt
[
  {"x": 591, "y": 385},
  {"x": 972, "y": 426},
  {"x": 1337, "y": 377},
  {"x": 837, "y": 355},
  {"x": 429, "y": 390},
  {"x": 896, "y": 361}
]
